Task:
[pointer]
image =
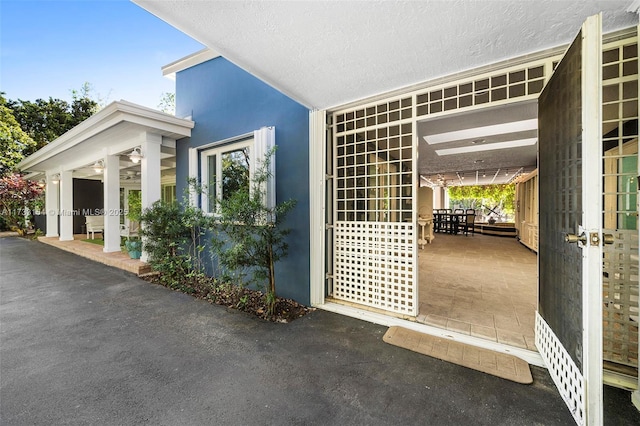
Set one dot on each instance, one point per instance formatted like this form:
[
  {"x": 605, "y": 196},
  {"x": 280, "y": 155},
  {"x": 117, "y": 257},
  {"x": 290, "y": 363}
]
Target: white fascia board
[
  {"x": 189, "y": 61},
  {"x": 67, "y": 139},
  {"x": 159, "y": 116},
  {"x": 109, "y": 116}
]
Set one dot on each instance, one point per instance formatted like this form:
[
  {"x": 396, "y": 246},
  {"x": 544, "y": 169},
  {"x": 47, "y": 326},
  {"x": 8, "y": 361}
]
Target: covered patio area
[{"x": 122, "y": 147}]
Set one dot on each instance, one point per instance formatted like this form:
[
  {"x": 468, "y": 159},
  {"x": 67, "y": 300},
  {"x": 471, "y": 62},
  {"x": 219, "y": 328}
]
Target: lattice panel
[
  {"x": 620, "y": 168},
  {"x": 563, "y": 370},
  {"x": 374, "y": 265},
  {"x": 390, "y": 111},
  {"x": 374, "y": 179},
  {"x": 620, "y": 298},
  {"x": 483, "y": 90}
]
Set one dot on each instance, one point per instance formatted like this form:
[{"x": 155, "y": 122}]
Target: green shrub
[
  {"x": 249, "y": 235},
  {"x": 171, "y": 237}
]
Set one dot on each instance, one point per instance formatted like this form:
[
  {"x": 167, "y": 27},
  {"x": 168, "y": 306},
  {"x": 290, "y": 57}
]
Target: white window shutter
[
  {"x": 264, "y": 141},
  {"x": 193, "y": 175}
]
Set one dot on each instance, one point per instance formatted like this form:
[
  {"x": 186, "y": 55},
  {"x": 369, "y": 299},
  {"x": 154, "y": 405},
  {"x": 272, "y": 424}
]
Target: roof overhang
[
  {"x": 326, "y": 54},
  {"x": 118, "y": 127},
  {"x": 194, "y": 59}
]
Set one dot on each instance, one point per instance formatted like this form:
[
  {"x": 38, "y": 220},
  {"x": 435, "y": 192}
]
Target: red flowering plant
[{"x": 19, "y": 198}]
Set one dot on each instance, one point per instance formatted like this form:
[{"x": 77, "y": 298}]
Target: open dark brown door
[{"x": 569, "y": 318}]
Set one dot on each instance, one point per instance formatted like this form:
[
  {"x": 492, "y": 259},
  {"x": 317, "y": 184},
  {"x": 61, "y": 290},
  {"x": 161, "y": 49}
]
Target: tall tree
[
  {"x": 18, "y": 198},
  {"x": 45, "y": 120},
  {"x": 14, "y": 142}
]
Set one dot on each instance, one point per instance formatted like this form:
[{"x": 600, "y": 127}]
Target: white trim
[
  {"x": 189, "y": 61},
  {"x": 264, "y": 140},
  {"x": 592, "y": 217},
  {"x": 66, "y": 205},
  {"x": 193, "y": 176},
  {"x": 111, "y": 115},
  {"x": 52, "y": 204},
  {"x": 204, "y": 168},
  {"x": 531, "y": 357},
  {"x": 111, "y": 203},
  {"x": 226, "y": 141},
  {"x": 317, "y": 207}
]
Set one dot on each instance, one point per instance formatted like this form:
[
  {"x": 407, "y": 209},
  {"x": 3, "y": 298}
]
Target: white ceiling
[
  {"x": 328, "y": 53},
  {"x": 482, "y": 140}
]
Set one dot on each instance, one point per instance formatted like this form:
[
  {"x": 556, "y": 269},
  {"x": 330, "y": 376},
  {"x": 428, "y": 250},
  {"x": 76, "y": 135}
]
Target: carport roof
[{"x": 119, "y": 120}]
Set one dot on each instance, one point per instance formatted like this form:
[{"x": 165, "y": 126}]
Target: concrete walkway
[
  {"x": 94, "y": 252},
  {"x": 83, "y": 343}
]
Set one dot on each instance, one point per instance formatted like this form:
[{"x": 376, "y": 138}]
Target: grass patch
[{"x": 98, "y": 241}]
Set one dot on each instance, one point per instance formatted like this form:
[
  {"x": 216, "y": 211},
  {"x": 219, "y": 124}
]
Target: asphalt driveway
[{"x": 83, "y": 343}]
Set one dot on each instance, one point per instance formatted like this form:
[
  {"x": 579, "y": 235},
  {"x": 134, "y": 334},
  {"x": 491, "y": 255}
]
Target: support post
[
  {"x": 66, "y": 205},
  {"x": 111, "y": 203},
  {"x": 150, "y": 167},
  {"x": 317, "y": 167},
  {"x": 51, "y": 205}
]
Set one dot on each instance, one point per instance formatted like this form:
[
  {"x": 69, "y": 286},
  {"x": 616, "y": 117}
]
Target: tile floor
[{"x": 480, "y": 285}]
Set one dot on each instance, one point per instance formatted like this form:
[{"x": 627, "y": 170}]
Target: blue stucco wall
[{"x": 224, "y": 102}]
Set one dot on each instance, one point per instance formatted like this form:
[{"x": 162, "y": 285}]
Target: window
[
  {"x": 227, "y": 166},
  {"x": 225, "y": 170},
  {"x": 168, "y": 193}
]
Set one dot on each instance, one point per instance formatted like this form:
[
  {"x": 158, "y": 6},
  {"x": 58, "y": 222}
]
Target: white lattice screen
[
  {"x": 564, "y": 372},
  {"x": 499, "y": 86},
  {"x": 620, "y": 169},
  {"x": 620, "y": 298},
  {"x": 374, "y": 265},
  {"x": 374, "y": 239}
]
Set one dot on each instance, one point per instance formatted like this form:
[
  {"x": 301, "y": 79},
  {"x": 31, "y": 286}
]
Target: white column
[
  {"x": 51, "y": 205},
  {"x": 317, "y": 184},
  {"x": 150, "y": 168},
  {"x": 66, "y": 205},
  {"x": 111, "y": 203}
]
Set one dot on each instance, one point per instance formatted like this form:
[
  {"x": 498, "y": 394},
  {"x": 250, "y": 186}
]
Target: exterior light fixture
[
  {"x": 135, "y": 156},
  {"x": 98, "y": 166},
  {"x": 55, "y": 179}
]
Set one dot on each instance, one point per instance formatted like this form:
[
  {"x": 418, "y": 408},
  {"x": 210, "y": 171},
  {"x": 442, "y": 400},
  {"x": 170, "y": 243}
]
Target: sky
[{"x": 50, "y": 47}]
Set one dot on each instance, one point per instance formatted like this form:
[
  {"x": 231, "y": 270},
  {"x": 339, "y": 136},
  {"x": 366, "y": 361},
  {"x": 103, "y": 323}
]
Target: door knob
[{"x": 573, "y": 238}]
